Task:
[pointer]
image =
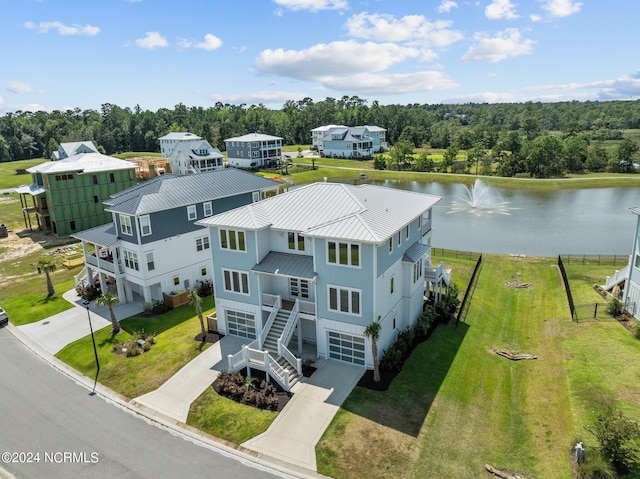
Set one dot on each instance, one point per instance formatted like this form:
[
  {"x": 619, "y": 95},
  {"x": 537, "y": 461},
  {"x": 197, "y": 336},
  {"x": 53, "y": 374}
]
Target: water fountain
[{"x": 480, "y": 199}]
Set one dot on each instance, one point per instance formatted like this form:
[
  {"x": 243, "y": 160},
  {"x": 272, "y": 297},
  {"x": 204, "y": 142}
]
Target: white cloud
[
  {"x": 562, "y": 8},
  {"x": 211, "y": 42},
  {"x": 44, "y": 27},
  {"x": 32, "y": 107},
  {"x": 390, "y": 83},
  {"x": 313, "y": 5},
  {"x": 151, "y": 41},
  {"x": 446, "y": 6},
  {"x": 413, "y": 29},
  {"x": 333, "y": 59},
  {"x": 21, "y": 87},
  {"x": 268, "y": 97},
  {"x": 622, "y": 88},
  {"x": 500, "y": 10},
  {"x": 534, "y": 17},
  {"x": 508, "y": 43}
]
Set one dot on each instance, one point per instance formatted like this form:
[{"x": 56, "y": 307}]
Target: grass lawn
[
  {"x": 8, "y": 177},
  {"x": 227, "y": 419},
  {"x": 457, "y": 406},
  {"x": 175, "y": 346}
]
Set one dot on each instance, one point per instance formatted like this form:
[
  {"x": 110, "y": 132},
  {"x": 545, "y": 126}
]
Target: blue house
[
  {"x": 153, "y": 244},
  {"x": 317, "y": 265},
  {"x": 357, "y": 142}
]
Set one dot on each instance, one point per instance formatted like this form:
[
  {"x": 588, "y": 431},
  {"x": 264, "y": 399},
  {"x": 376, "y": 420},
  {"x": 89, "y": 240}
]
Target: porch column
[
  {"x": 147, "y": 295},
  {"x": 121, "y": 293},
  {"x": 299, "y": 333}
]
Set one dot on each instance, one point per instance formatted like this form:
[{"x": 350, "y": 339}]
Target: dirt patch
[{"x": 23, "y": 242}]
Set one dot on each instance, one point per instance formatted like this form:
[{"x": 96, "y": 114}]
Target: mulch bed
[
  {"x": 209, "y": 337},
  {"x": 307, "y": 371},
  {"x": 386, "y": 378},
  {"x": 627, "y": 323},
  {"x": 283, "y": 396}
]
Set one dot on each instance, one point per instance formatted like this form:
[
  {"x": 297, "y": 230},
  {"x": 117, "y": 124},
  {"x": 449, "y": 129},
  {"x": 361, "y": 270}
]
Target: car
[{"x": 4, "y": 319}]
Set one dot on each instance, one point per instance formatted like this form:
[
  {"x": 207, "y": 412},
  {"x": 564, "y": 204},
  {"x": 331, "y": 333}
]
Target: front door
[{"x": 298, "y": 289}]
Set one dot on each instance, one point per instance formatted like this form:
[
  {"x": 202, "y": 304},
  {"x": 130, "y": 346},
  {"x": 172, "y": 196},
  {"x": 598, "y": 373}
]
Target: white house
[
  {"x": 67, "y": 150},
  {"x": 317, "y": 135},
  {"x": 189, "y": 153},
  {"x": 357, "y": 142},
  {"x": 154, "y": 245},
  {"x": 321, "y": 263},
  {"x": 254, "y": 150}
]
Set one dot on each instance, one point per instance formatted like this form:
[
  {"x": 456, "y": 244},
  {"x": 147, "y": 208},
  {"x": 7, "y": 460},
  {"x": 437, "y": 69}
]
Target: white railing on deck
[
  {"x": 278, "y": 373},
  {"x": 249, "y": 356},
  {"x": 81, "y": 277},
  {"x": 618, "y": 277},
  {"x": 290, "y": 357},
  {"x": 271, "y": 300},
  {"x": 306, "y": 307}
]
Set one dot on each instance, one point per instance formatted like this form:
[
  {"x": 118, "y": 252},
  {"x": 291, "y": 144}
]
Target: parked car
[{"x": 4, "y": 319}]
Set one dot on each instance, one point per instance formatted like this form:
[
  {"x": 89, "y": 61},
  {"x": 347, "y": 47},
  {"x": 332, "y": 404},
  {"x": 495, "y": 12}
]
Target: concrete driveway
[
  {"x": 293, "y": 436},
  {"x": 55, "y": 332}
]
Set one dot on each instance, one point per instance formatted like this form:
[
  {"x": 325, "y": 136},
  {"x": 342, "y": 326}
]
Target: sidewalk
[{"x": 55, "y": 332}]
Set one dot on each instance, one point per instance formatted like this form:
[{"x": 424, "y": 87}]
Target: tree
[
  {"x": 449, "y": 156},
  {"x": 109, "y": 300},
  {"x": 47, "y": 267},
  {"x": 597, "y": 157},
  {"x": 476, "y": 155},
  {"x": 575, "y": 152},
  {"x": 619, "y": 439},
  {"x": 424, "y": 162},
  {"x": 402, "y": 154},
  {"x": 373, "y": 332},
  {"x": 196, "y": 302},
  {"x": 545, "y": 157},
  {"x": 626, "y": 153}
]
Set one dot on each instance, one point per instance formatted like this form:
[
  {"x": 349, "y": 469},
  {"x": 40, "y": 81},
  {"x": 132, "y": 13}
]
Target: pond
[{"x": 534, "y": 223}]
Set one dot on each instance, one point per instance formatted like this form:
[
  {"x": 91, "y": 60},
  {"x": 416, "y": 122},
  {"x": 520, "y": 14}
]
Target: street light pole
[{"x": 95, "y": 351}]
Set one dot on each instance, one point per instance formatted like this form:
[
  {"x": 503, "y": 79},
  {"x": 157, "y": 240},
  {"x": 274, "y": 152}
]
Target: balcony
[{"x": 103, "y": 262}]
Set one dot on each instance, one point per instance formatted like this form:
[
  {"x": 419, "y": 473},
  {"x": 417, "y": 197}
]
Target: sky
[{"x": 66, "y": 54}]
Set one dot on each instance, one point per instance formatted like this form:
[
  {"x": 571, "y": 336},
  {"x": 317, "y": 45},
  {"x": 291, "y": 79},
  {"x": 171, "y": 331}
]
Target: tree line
[{"x": 507, "y": 139}]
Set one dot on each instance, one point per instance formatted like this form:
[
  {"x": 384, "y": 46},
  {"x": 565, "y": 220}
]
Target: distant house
[
  {"x": 254, "y": 150},
  {"x": 66, "y": 195},
  {"x": 190, "y": 153},
  {"x": 357, "y": 142},
  {"x": 66, "y": 150},
  {"x": 152, "y": 244},
  {"x": 317, "y": 265}
]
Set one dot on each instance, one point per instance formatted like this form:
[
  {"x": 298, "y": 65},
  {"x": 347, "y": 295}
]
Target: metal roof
[
  {"x": 83, "y": 163},
  {"x": 180, "y": 135},
  {"x": 364, "y": 213},
  {"x": 104, "y": 235},
  {"x": 254, "y": 137},
  {"x": 415, "y": 252},
  {"x": 286, "y": 264},
  {"x": 171, "y": 191},
  {"x": 33, "y": 189}
]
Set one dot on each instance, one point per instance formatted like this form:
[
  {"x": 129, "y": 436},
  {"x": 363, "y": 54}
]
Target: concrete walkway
[
  {"x": 55, "y": 332},
  {"x": 175, "y": 396},
  {"x": 293, "y": 436}
]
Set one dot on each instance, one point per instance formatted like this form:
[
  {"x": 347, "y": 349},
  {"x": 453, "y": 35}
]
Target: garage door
[
  {"x": 241, "y": 324},
  {"x": 345, "y": 347}
]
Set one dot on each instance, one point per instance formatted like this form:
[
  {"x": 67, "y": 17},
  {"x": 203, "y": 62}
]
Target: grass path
[{"x": 456, "y": 405}]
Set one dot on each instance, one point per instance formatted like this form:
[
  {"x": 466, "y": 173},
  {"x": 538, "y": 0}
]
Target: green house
[{"x": 67, "y": 195}]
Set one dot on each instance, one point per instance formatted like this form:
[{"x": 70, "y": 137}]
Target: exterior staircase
[{"x": 271, "y": 341}]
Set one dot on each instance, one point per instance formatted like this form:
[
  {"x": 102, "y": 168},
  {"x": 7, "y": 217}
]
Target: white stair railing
[
  {"x": 269, "y": 323},
  {"x": 287, "y": 332},
  {"x": 617, "y": 278}
]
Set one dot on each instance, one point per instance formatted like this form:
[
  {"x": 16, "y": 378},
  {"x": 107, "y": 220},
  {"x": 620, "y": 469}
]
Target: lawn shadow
[
  {"x": 405, "y": 405},
  {"x": 160, "y": 323},
  {"x": 50, "y": 299}
]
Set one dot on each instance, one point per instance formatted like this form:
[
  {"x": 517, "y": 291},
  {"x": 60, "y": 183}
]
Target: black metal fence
[
  {"x": 567, "y": 287},
  {"x": 596, "y": 259},
  {"x": 464, "y": 305},
  {"x": 452, "y": 253}
]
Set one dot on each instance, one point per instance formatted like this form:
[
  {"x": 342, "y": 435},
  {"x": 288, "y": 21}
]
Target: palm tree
[
  {"x": 373, "y": 331},
  {"x": 196, "y": 301},
  {"x": 109, "y": 300},
  {"x": 47, "y": 267}
]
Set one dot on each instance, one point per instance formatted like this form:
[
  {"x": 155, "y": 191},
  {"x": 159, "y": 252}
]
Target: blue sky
[{"x": 61, "y": 54}]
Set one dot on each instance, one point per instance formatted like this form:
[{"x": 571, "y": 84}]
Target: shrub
[
  {"x": 594, "y": 466},
  {"x": 636, "y": 329},
  {"x": 425, "y": 321},
  {"x": 205, "y": 288},
  {"x": 615, "y": 307},
  {"x": 619, "y": 439},
  {"x": 160, "y": 307},
  {"x": 392, "y": 358}
]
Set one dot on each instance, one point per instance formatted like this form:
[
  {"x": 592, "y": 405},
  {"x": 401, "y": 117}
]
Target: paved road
[{"x": 43, "y": 411}]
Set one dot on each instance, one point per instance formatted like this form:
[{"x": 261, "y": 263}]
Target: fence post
[{"x": 595, "y": 311}]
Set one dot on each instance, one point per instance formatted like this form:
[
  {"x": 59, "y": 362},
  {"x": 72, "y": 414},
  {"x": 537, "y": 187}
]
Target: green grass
[
  {"x": 227, "y": 419},
  {"x": 457, "y": 406},
  {"x": 135, "y": 154},
  {"x": 175, "y": 346},
  {"x": 8, "y": 177}
]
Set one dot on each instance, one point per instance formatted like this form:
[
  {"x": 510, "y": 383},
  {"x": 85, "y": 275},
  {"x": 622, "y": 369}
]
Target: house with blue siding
[
  {"x": 357, "y": 142},
  {"x": 317, "y": 265},
  {"x": 154, "y": 245},
  {"x": 189, "y": 153}
]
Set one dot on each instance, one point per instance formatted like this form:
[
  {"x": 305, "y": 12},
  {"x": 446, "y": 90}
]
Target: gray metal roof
[
  {"x": 364, "y": 213},
  {"x": 415, "y": 252},
  {"x": 286, "y": 264},
  {"x": 172, "y": 191},
  {"x": 254, "y": 137},
  {"x": 180, "y": 135},
  {"x": 104, "y": 235},
  {"x": 33, "y": 189}
]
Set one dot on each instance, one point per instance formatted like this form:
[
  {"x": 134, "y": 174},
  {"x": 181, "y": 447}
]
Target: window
[
  {"x": 151, "y": 265},
  {"x": 398, "y": 235},
  {"x": 299, "y": 288},
  {"x": 112, "y": 177},
  {"x": 392, "y": 285},
  {"x": 192, "y": 213},
  {"x": 236, "y": 281},
  {"x": 176, "y": 280},
  {"x": 255, "y": 196},
  {"x": 344, "y": 300},
  {"x": 202, "y": 243},
  {"x": 231, "y": 239},
  {"x": 125, "y": 225},
  {"x": 94, "y": 179},
  {"x": 131, "y": 260},
  {"x": 419, "y": 222},
  {"x": 391, "y": 244},
  {"x": 208, "y": 210},
  {"x": 406, "y": 232},
  {"x": 343, "y": 253},
  {"x": 145, "y": 225},
  {"x": 296, "y": 241},
  {"x": 72, "y": 225},
  {"x": 242, "y": 324},
  {"x": 417, "y": 270},
  {"x": 203, "y": 271},
  {"x": 95, "y": 199}
]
